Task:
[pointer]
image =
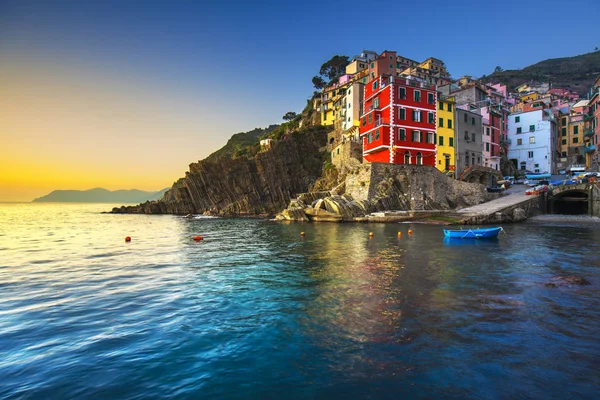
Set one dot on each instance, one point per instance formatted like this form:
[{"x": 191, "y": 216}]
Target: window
[
  {"x": 419, "y": 158},
  {"x": 449, "y": 107},
  {"x": 372, "y": 65},
  {"x": 401, "y": 134},
  {"x": 473, "y": 137},
  {"x": 487, "y": 131},
  {"x": 564, "y": 131},
  {"x": 441, "y": 122},
  {"x": 377, "y": 134},
  {"x": 531, "y": 128},
  {"x": 451, "y": 142},
  {"x": 563, "y": 154},
  {"x": 517, "y": 119},
  {"x": 417, "y": 96},
  {"x": 450, "y": 123},
  {"x": 466, "y": 118},
  {"x": 402, "y": 113},
  {"x": 430, "y": 98},
  {"x": 416, "y": 115},
  {"x": 564, "y": 121},
  {"x": 487, "y": 147},
  {"x": 441, "y": 140},
  {"x": 376, "y": 103},
  {"x": 406, "y": 157},
  {"x": 364, "y": 121},
  {"x": 375, "y": 85},
  {"x": 472, "y": 120},
  {"x": 575, "y": 140},
  {"x": 370, "y": 118},
  {"x": 519, "y": 142},
  {"x": 531, "y": 139},
  {"x": 402, "y": 93},
  {"x": 441, "y": 105},
  {"x": 370, "y": 137},
  {"x": 416, "y": 136},
  {"x": 431, "y": 117},
  {"x": 530, "y": 154},
  {"x": 430, "y": 138},
  {"x": 564, "y": 141},
  {"x": 575, "y": 129},
  {"x": 519, "y": 130}
]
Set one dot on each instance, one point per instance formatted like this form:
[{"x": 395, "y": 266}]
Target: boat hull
[{"x": 484, "y": 233}]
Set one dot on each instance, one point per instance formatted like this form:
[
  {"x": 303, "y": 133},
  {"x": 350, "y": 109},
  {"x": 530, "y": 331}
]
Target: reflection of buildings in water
[{"x": 359, "y": 295}]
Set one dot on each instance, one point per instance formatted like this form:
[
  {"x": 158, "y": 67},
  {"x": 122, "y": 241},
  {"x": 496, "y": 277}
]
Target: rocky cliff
[
  {"x": 377, "y": 187},
  {"x": 258, "y": 185}
]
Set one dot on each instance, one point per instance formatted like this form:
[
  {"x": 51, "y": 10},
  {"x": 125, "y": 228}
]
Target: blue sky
[{"x": 207, "y": 70}]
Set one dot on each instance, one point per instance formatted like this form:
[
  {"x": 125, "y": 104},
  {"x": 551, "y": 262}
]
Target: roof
[{"x": 581, "y": 103}]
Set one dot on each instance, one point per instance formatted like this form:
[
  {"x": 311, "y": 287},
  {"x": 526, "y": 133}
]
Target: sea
[{"x": 256, "y": 310}]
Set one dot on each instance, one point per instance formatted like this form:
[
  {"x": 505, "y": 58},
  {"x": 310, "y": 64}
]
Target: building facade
[
  {"x": 468, "y": 140},
  {"x": 398, "y": 125},
  {"x": 446, "y": 125},
  {"x": 533, "y": 140}
]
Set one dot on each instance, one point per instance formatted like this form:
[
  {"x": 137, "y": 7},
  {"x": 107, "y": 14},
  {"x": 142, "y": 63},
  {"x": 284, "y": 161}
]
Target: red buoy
[
  {"x": 198, "y": 238},
  {"x": 128, "y": 238}
]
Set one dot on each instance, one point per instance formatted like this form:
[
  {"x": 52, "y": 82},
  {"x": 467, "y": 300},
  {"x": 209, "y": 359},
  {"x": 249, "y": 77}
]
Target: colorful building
[
  {"x": 468, "y": 141},
  {"x": 592, "y": 126},
  {"x": 446, "y": 125},
  {"x": 533, "y": 140},
  {"x": 399, "y": 121},
  {"x": 491, "y": 134}
]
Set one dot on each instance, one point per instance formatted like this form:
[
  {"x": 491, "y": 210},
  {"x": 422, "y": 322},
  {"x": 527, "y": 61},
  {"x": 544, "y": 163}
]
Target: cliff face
[{"x": 261, "y": 185}]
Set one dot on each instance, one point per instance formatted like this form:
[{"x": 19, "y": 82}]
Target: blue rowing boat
[{"x": 481, "y": 233}]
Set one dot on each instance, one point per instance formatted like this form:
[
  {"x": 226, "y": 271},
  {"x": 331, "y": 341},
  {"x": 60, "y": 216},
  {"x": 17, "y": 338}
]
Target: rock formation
[
  {"x": 260, "y": 185},
  {"x": 378, "y": 187}
]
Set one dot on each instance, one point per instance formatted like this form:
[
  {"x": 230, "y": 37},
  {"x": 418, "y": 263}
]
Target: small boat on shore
[
  {"x": 537, "y": 176},
  {"x": 480, "y": 233}
]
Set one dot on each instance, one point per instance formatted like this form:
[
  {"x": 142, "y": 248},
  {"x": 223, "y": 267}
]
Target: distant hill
[
  {"x": 100, "y": 195},
  {"x": 576, "y": 73}
]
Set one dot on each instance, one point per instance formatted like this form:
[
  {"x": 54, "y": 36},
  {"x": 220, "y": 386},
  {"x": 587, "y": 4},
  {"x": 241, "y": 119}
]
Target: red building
[{"x": 399, "y": 121}]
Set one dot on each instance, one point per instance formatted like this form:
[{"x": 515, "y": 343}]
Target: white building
[
  {"x": 352, "y": 106},
  {"x": 532, "y": 137}
]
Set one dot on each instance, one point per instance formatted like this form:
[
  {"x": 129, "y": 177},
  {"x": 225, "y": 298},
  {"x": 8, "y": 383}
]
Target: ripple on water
[{"x": 255, "y": 309}]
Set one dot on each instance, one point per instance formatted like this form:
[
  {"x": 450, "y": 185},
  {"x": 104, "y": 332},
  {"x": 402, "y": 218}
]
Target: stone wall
[{"x": 346, "y": 154}]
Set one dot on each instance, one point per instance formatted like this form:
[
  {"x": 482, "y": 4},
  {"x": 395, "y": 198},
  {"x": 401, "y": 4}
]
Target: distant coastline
[{"x": 100, "y": 195}]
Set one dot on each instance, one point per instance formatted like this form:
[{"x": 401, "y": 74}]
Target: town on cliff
[{"x": 385, "y": 132}]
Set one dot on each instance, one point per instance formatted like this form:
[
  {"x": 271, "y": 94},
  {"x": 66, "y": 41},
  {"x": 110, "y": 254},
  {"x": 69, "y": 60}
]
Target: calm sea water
[{"x": 256, "y": 311}]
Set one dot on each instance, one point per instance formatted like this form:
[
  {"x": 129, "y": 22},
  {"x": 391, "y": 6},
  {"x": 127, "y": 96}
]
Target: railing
[
  {"x": 588, "y": 117},
  {"x": 372, "y": 107},
  {"x": 589, "y": 133},
  {"x": 380, "y": 122}
]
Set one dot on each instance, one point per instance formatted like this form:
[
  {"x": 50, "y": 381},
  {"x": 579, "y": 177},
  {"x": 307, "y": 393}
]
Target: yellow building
[
  {"x": 529, "y": 97},
  {"x": 446, "y": 141}
]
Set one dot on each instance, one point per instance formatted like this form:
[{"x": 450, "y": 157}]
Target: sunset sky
[{"x": 126, "y": 94}]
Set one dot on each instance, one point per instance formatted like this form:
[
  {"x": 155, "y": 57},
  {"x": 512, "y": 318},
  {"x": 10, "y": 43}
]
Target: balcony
[
  {"x": 588, "y": 117},
  {"x": 589, "y": 149},
  {"x": 374, "y": 108},
  {"x": 381, "y": 122},
  {"x": 504, "y": 141},
  {"x": 588, "y": 133}
]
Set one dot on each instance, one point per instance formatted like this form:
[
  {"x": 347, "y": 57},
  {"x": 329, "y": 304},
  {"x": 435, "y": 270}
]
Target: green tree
[
  {"x": 334, "y": 68},
  {"x": 498, "y": 69},
  {"x": 318, "y": 82},
  {"x": 290, "y": 115}
]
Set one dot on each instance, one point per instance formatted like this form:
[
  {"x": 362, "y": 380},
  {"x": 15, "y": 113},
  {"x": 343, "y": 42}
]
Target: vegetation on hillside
[
  {"x": 330, "y": 71},
  {"x": 576, "y": 73}
]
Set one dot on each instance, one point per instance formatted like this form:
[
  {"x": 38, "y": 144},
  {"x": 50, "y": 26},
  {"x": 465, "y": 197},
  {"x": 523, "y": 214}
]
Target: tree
[
  {"x": 498, "y": 69},
  {"x": 290, "y": 115},
  {"x": 334, "y": 68},
  {"x": 318, "y": 82}
]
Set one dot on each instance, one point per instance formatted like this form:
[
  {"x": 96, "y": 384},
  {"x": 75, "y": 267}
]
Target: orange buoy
[
  {"x": 128, "y": 238},
  {"x": 370, "y": 234},
  {"x": 301, "y": 233},
  {"x": 399, "y": 234},
  {"x": 410, "y": 231},
  {"x": 198, "y": 238}
]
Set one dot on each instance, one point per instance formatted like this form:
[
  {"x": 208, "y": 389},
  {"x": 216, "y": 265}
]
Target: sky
[{"x": 126, "y": 94}]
